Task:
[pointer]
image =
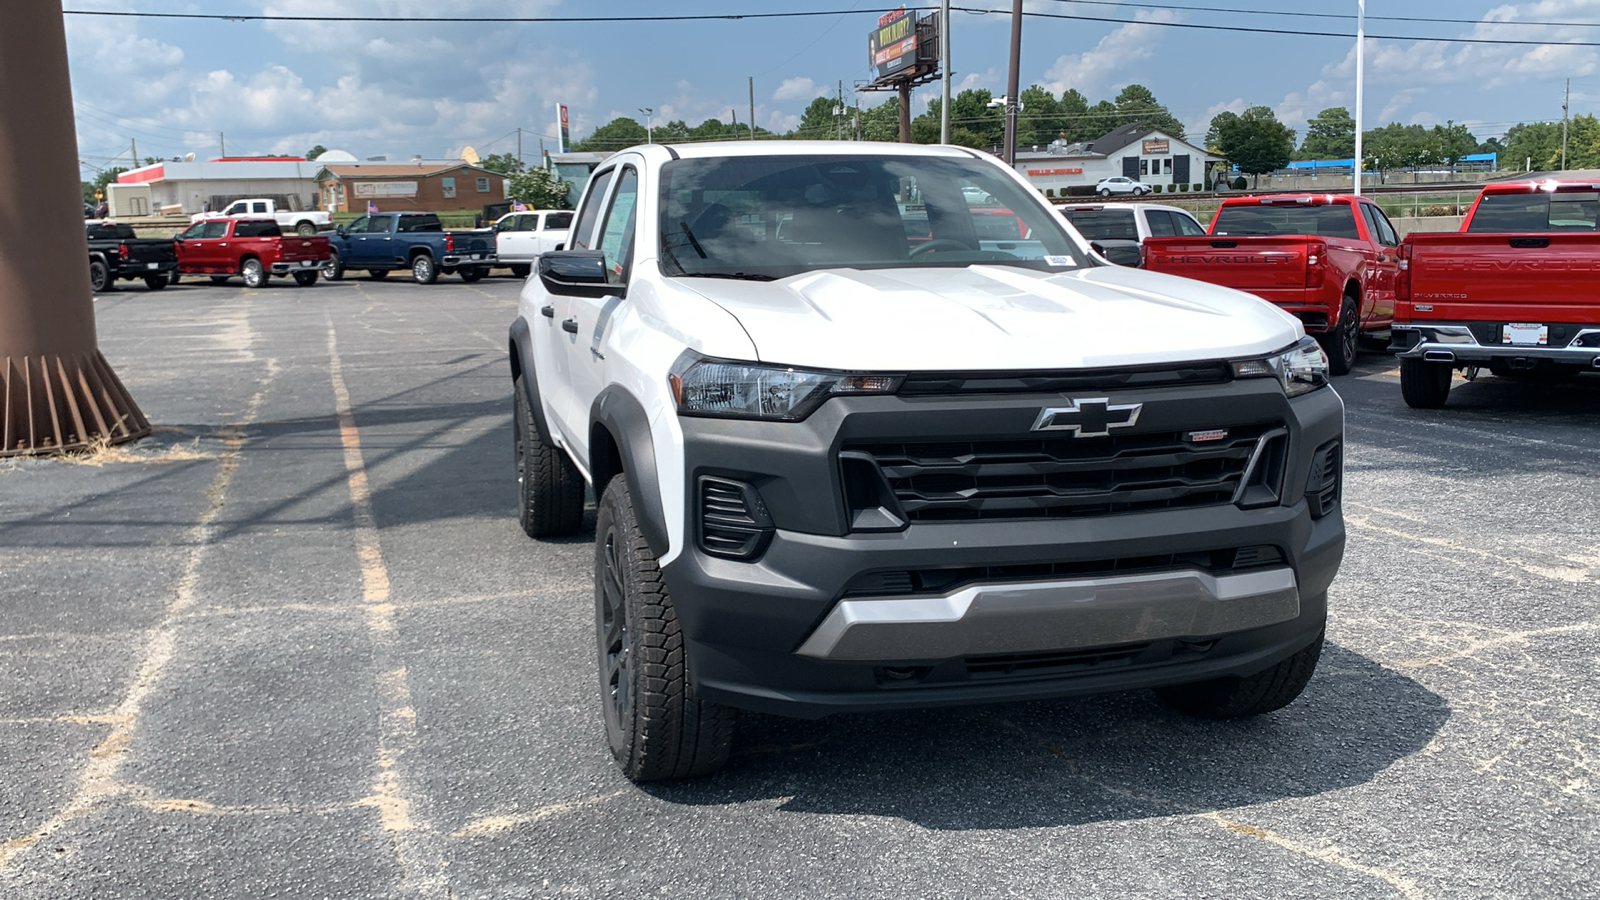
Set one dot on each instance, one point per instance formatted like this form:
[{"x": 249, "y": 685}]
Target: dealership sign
[
  {"x": 1155, "y": 148},
  {"x": 1077, "y": 171},
  {"x": 386, "y": 189}
]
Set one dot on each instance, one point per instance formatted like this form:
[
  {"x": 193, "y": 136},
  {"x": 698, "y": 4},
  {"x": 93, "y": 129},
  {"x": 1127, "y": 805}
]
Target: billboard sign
[
  {"x": 386, "y": 189},
  {"x": 1155, "y": 148},
  {"x": 892, "y": 46},
  {"x": 562, "y": 123}
]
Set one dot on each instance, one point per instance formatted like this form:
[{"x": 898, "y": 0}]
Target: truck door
[
  {"x": 211, "y": 249},
  {"x": 596, "y": 316},
  {"x": 1378, "y": 306},
  {"x": 554, "y": 337},
  {"x": 515, "y": 238},
  {"x": 553, "y": 230},
  {"x": 371, "y": 246}
]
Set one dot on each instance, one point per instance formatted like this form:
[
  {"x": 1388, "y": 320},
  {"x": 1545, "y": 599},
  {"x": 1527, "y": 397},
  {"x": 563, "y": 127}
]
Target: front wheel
[
  {"x": 333, "y": 269},
  {"x": 155, "y": 282},
  {"x": 473, "y": 274},
  {"x": 173, "y": 276},
  {"x": 423, "y": 271},
  {"x": 1235, "y": 698},
  {"x": 305, "y": 279},
  {"x": 254, "y": 273},
  {"x": 656, "y": 724},
  {"x": 521, "y": 271},
  {"x": 1425, "y": 385},
  {"x": 99, "y": 276},
  {"x": 1105, "y": 192},
  {"x": 1341, "y": 343}
]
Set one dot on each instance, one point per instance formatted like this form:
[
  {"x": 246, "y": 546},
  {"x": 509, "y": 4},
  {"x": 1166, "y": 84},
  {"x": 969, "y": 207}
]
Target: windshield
[
  {"x": 1325, "y": 221},
  {"x": 774, "y": 216},
  {"x": 1576, "y": 211},
  {"x": 1104, "y": 224}
]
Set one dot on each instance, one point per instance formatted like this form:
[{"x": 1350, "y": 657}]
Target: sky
[{"x": 400, "y": 88}]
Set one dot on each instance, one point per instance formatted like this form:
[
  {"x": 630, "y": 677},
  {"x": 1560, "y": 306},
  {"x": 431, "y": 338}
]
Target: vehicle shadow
[{"x": 1075, "y": 761}]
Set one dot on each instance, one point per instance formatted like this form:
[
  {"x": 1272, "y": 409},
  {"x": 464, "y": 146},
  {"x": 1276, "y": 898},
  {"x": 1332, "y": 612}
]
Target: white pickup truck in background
[
  {"x": 302, "y": 221},
  {"x": 521, "y": 236}
]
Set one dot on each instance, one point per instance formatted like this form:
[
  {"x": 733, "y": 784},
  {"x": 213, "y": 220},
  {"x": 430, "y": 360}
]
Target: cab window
[
  {"x": 583, "y": 234},
  {"x": 616, "y": 238},
  {"x": 193, "y": 231},
  {"x": 215, "y": 230}
]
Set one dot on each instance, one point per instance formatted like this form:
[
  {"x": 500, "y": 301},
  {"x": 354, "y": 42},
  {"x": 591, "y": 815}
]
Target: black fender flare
[
  {"x": 522, "y": 365},
  {"x": 619, "y": 434}
]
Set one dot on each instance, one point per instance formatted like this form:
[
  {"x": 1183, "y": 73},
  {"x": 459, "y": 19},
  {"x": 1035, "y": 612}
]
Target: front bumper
[
  {"x": 298, "y": 265},
  {"x": 791, "y": 633},
  {"x": 1474, "y": 343}
]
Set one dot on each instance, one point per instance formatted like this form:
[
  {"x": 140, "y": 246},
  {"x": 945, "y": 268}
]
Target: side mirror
[
  {"x": 339, "y": 229},
  {"x": 1122, "y": 253},
  {"x": 577, "y": 273}
]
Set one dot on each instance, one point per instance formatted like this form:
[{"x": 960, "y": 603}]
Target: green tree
[
  {"x": 1255, "y": 140},
  {"x": 614, "y": 135},
  {"x": 504, "y": 163},
  {"x": 1452, "y": 141},
  {"x": 1072, "y": 111},
  {"x": 882, "y": 122},
  {"x": 1040, "y": 122},
  {"x": 1100, "y": 120},
  {"x": 315, "y": 152},
  {"x": 106, "y": 177},
  {"x": 821, "y": 121},
  {"x": 1330, "y": 134},
  {"x": 715, "y": 130},
  {"x": 1535, "y": 146},
  {"x": 1396, "y": 146},
  {"x": 539, "y": 189},
  {"x": 673, "y": 132},
  {"x": 1137, "y": 103}
]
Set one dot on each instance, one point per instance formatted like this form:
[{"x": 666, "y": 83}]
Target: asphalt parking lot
[{"x": 295, "y": 645}]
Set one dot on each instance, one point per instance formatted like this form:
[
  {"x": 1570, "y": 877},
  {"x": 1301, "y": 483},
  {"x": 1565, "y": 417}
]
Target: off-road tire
[
  {"x": 255, "y": 275},
  {"x": 473, "y": 274},
  {"x": 333, "y": 269},
  {"x": 1425, "y": 385},
  {"x": 155, "y": 282},
  {"x": 1342, "y": 342},
  {"x": 656, "y": 725},
  {"x": 305, "y": 278},
  {"x": 424, "y": 270},
  {"x": 549, "y": 488},
  {"x": 100, "y": 279},
  {"x": 305, "y": 229},
  {"x": 1236, "y": 698},
  {"x": 522, "y": 271}
]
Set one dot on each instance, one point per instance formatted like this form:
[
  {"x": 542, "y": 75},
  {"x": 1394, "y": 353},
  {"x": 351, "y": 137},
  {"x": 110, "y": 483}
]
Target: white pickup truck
[
  {"x": 304, "y": 221},
  {"x": 520, "y": 237},
  {"x": 855, "y": 450}
]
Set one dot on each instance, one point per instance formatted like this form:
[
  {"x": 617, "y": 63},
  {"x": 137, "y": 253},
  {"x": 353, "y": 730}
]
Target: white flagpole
[{"x": 1361, "y": 39}]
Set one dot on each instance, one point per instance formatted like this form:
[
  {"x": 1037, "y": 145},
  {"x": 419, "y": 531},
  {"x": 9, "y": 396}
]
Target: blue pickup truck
[{"x": 383, "y": 242}]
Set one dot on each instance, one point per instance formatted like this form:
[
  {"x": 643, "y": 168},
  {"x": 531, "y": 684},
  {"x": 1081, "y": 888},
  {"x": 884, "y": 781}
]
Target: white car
[
  {"x": 520, "y": 237},
  {"x": 1121, "y": 185},
  {"x": 1130, "y": 221},
  {"x": 858, "y": 464}
]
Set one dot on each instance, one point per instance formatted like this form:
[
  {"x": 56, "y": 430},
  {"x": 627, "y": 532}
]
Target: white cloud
[
  {"x": 798, "y": 89},
  {"x": 1110, "y": 63}
]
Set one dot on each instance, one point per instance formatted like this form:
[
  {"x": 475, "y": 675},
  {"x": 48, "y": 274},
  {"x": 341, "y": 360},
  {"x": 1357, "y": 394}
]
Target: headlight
[
  {"x": 1300, "y": 369},
  {"x": 705, "y": 387}
]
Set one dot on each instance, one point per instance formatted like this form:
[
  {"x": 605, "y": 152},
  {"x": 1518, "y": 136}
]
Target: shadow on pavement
[{"x": 1108, "y": 758}]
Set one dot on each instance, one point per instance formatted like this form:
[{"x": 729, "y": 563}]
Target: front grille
[
  {"x": 959, "y": 383},
  {"x": 934, "y": 581},
  {"x": 1063, "y": 477},
  {"x": 1012, "y": 665}
]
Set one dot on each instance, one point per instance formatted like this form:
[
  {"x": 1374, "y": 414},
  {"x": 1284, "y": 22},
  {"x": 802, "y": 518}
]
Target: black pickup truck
[
  {"x": 115, "y": 252},
  {"x": 383, "y": 242}
]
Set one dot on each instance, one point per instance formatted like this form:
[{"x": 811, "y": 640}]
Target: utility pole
[
  {"x": 1013, "y": 74},
  {"x": 519, "y": 150},
  {"x": 1361, "y": 35},
  {"x": 133, "y": 148},
  {"x": 838, "y": 112},
  {"x": 734, "y": 115},
  {"x": 944, "y": 74},
  {"x": 222, "y": 141},
  {"x": 1566, "y": 100},
  {"x": 752, "y": 107}
]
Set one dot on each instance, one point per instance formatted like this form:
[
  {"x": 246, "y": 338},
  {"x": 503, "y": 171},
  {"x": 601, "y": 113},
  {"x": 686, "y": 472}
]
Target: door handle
[
  {"x": 549, "y": 312},
  {"x": 570, "y": 326}
]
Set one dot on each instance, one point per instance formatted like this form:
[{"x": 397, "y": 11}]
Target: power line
[{"x": 1314, "y": 15}]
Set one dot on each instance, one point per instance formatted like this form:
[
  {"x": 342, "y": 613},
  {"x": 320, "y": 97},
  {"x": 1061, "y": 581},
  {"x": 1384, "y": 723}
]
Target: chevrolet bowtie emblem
[{"x": 1088, "y": 417}]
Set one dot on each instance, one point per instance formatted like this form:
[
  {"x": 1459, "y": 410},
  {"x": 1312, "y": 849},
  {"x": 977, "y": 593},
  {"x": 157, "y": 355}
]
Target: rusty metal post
[{"x": 56, "y": 391}]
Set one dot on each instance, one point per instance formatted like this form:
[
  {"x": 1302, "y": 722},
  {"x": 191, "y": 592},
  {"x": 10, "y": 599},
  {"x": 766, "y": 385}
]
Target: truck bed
[{"x": 1488, "y": 277}]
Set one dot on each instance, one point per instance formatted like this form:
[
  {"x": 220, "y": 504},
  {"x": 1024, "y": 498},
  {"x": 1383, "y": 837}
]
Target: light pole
[
  {"x": 1361, "y": 35},
  {"x": 649, "y": 134}
]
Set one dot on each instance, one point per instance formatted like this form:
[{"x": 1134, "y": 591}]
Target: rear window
[
  {"x": 558, "y": 221},
  {"x": 1337, "y": 221},
  {"x": 100, "y": 232},
  {"x": 1539, "y": 211},
  {"x": 257, "y": 229},
  {"x": 418, "y": 224},
  {"x": 1104, "y": 224}
]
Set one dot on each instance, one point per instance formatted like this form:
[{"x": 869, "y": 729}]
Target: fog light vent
[
  {"x": 733, "y": 520},
  {"x": 1322, "y": 487}
]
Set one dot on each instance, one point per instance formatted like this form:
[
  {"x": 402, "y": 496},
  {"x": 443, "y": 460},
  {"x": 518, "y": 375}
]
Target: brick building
[{"x": 426, "y": 186}]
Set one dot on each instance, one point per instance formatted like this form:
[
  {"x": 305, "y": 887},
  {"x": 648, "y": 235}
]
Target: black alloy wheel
[
  {"x": 155, "y": 282},
  {"x": 615, "y": 642},
  {"x": 473, "y": 274},
  {"x": 99, "y": 276}
]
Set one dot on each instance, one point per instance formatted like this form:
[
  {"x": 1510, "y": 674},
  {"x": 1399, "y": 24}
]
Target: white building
[
  {"x": 186, "y": 188},
  {"x": 1144, "y": 154}
]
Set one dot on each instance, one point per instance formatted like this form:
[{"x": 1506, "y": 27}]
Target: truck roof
[
  {"x": 718, "y": 149},
  {"x": 1292, "y": 200},
  {"x": 1541, "y": 184}
]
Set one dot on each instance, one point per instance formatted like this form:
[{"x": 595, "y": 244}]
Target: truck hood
[{"x": 996, "y": 317}]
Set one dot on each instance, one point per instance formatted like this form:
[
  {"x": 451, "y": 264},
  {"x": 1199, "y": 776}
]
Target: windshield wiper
[
  {"x": 738, "y": 276},
  {"x": 692, "y": 242}
]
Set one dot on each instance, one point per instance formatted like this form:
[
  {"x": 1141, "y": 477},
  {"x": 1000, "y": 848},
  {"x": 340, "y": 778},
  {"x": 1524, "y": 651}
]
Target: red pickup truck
[
  {"x": 1517, "y": 290},
  {"x": 1330, "y": 260},
  {"x": 254, "y": 249}
]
